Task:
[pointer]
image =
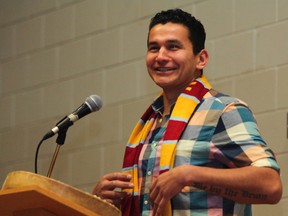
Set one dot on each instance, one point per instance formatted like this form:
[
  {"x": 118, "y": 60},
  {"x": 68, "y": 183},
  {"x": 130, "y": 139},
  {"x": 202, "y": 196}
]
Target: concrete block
[
  {"x": 6, "y": 112},
  {"x": 86, "y": 165},
  {"x": 150, "y": 7},
  {"x": 220, "y": 19},
  {"x": 258, "y": 90},
  {"x": 14, "y": 74},
  {"x": 105, "y": 126},
  {"x": 113, "y": 157},
  {"x": 43, "y": 66},
  {"x": 121, "y": 83},
  {"x": 29, "y": 35},
  {"x": 59, "y": 26},
  {"x": 224, "y": 86},
  {"x": 247, "y": 17},
  {"x": 86, "y": 85},
  {"x": 7, "y": 42},
  {"x": 282, "y": 88},
  {"x": 90, "y": 17},
  {"x": 271, "y": 46},
  {"x": 28, "y": 107},
  {"x": 11, "y": 11},
  {"x": 105, "y": 49},
  {"x": 134, "y": 35},
  {"x": 233, "y": 55},
  {"x": 57, "y": 99},
  {"x": 271, "y": 122},
  {"x": 282, "y": 9},
  {"x": 125, "y": 11},
  {"x": 73, "y": 58},
  {"x": 13, "y": 145}
]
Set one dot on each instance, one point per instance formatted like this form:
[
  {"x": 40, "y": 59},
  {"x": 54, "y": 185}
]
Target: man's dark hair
[{"x": 196, "y": 30}]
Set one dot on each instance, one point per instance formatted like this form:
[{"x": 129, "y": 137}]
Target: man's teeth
[{"x": 164, "y": 69}]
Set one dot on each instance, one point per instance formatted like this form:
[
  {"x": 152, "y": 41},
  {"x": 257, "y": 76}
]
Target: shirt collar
[{"x": 158, "y": 106}]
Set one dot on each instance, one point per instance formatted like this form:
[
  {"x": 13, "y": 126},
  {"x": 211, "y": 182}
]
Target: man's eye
[
  {"x": 173, "y": 47},
  {"x": 153, "y": 48}
]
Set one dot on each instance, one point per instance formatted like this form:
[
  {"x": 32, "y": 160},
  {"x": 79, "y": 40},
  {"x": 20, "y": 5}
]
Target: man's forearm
[{"x": 253, "y": 185}]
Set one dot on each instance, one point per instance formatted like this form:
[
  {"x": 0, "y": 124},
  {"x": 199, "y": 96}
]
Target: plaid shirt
[{"x": 222, "y": 133}]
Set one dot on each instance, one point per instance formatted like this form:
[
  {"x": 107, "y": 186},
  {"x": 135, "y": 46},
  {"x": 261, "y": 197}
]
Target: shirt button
[
  {"x": 149, "y": 173},
  {"x": 145, "y": 202}
]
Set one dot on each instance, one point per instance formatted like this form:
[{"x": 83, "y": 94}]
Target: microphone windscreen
[{"x": 94, "y": 102}]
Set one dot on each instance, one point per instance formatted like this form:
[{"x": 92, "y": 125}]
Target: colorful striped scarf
[{"x": 182, "y": 112}]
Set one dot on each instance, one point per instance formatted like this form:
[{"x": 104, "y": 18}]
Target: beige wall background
[{"x": 55, "y": 53}]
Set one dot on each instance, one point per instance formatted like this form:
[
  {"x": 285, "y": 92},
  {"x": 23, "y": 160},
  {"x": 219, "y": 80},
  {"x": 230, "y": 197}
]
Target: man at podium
[{"x": 194, "y": 150}]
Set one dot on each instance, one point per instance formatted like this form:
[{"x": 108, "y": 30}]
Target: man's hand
[
  {"x": 164, "y": 187},
  {"x": 105, "y": 188}
]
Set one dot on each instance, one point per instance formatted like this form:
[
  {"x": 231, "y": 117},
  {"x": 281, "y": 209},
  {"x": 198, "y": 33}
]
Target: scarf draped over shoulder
[{"x": 182, "y": 112}]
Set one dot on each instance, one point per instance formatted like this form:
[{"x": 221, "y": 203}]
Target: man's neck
[
  {"x": 169, "y": 100},
  {"x": 170, "y": 96}
]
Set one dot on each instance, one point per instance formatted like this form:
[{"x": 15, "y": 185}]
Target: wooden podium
[{"x": 29, "y": 194}]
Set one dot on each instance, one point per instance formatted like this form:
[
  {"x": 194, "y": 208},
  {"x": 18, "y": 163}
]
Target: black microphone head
[{"x": 94, "y": 102}]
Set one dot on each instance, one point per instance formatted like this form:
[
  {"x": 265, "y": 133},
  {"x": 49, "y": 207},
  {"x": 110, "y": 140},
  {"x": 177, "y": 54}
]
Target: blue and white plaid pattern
[{"x": 222, "y": 133}]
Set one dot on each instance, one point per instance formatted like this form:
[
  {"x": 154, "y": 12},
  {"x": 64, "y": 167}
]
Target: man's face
[{"x": 170, "y": 60}]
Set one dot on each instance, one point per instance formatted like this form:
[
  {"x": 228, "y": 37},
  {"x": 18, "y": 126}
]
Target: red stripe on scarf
[
  {"x": 198, "y": 90},
  {"x": 174, "y": 126},
  {"x": 130, "y": 155}
]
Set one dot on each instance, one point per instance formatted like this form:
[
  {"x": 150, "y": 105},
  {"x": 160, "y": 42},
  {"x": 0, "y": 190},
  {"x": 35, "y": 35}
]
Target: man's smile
[{"x": 165, "y": 69}]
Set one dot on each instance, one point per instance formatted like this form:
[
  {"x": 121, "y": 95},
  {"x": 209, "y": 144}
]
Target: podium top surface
[
  {"x": 32, "y": 197},
  {"x": 24, "y": 190}
]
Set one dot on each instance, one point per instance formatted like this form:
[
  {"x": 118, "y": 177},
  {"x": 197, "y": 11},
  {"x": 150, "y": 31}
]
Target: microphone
[{"x": 92, "y": 103}]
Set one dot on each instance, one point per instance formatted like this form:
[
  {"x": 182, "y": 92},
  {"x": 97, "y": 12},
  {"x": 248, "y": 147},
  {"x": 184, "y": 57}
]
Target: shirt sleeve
[{"x": 237, "y": 139}]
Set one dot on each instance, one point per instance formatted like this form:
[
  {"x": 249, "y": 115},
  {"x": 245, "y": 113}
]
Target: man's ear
[{"x": 202, "y": 59}]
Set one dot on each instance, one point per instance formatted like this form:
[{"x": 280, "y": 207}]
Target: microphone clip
[{"x": 61, "y": 137}]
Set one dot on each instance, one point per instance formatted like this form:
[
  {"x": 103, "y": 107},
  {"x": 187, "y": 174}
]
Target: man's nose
[{"x": 162, "y": 55}]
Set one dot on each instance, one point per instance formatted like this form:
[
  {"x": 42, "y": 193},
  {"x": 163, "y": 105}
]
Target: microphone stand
[{"x": 60, "y": 141}]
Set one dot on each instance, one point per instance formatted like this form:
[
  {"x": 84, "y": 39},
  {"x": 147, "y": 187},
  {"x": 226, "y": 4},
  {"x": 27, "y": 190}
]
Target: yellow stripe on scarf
[
  {"x": 180, "y": 110},
  {"x": 166, "y": 152},
  {"x": 140, "y": 132}
]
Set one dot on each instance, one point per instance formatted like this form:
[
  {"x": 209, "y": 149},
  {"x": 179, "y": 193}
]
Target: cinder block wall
[{"x": 55, "y": 53}]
